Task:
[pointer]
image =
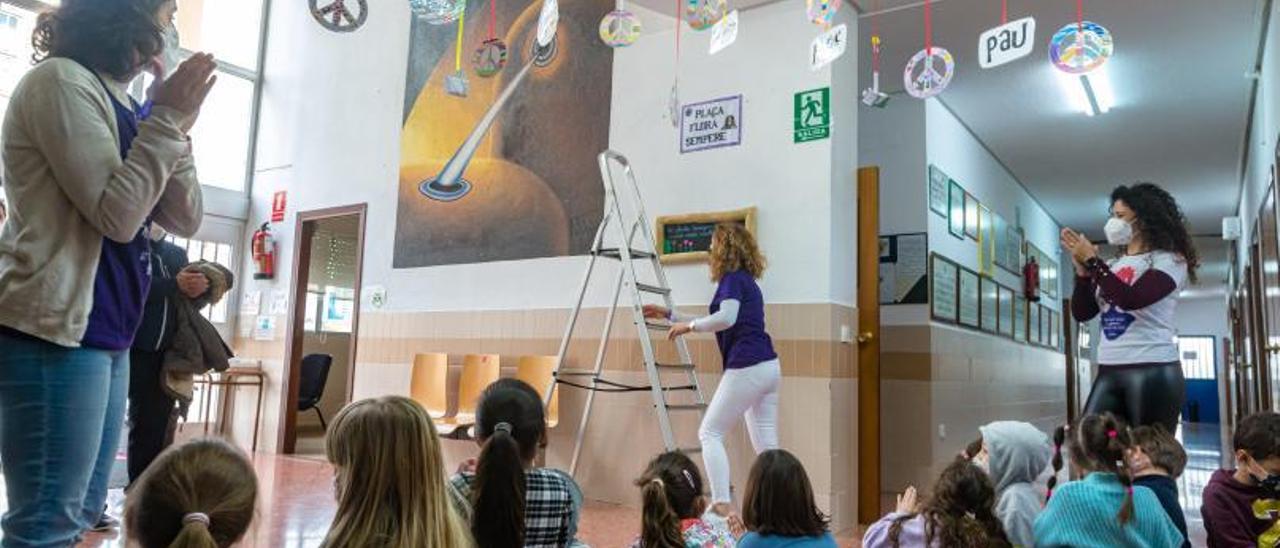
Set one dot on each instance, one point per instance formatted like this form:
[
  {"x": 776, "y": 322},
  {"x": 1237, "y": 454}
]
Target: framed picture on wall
[
  {"x": 955, "y": 209},
  {"x": 1006, "y": 312},
  {"x": 971, "y": 216},
  {"x": 986, "y": 242},
  {"x": 1046, "y": 332},
  {"x": 1014, "y": 249},
  {"x": 1033, "y": 324},
  {"x": 970, "y": 298},
  {"x": 990, "y": 310},
  {"x": 1019, "y": 318},
  {"x": 943, "y": 296},
  {"x": 1055, "y": 329},
  {"x": 938, "y": 197}
]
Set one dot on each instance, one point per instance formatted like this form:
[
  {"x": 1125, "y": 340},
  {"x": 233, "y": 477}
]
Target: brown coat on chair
[{"x": 196, "y": 347}]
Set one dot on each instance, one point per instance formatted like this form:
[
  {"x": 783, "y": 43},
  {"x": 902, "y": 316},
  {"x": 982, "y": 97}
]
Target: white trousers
[{"x": 753, "y": 392}]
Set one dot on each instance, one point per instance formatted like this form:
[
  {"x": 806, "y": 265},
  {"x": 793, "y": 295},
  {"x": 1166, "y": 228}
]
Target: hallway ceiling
[
  {"x": 1181, "y": 100},
  {"x": 1181, "y": 90}
]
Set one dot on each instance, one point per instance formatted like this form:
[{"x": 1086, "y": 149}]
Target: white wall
[
  {"x": 951, "y": 147},
  {"x": 326, "y": 156},
  {"x": 804, "y": 192},
  {"x": 1202, "y": 316},
  {"x": 1263, "y": 133}
]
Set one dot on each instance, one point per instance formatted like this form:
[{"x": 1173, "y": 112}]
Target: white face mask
[
  {"x": 1119, "y": 231},
  {"x": 171, "y": 57},
  {"x": 983, "y": 462}
]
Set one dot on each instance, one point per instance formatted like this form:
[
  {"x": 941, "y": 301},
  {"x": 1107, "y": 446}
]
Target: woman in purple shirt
[{"x": 752, "y": 374}]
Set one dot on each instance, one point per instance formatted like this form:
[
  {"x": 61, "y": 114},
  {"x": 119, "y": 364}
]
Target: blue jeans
[{"x": 61, "y": 414}]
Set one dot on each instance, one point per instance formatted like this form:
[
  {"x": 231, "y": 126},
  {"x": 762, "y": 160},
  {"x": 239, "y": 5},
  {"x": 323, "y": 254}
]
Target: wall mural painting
[{"x": 531, "y": 133}]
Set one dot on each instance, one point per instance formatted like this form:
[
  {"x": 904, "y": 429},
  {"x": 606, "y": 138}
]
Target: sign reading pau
[{"x": 1007, "y": 43}]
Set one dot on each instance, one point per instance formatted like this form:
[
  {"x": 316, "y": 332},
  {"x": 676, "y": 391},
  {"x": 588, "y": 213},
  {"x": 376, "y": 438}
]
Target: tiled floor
[{"x": 297, "y": 498}]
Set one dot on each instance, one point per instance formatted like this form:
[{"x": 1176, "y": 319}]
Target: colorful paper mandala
[
  {"x": 1080, "y": 47},
  {"x": 929, "y": 72},
  {"x": 619, "y": 29},
  {"x": 702, "y": 14},
  {"x": 489, "y": 58},
  {"x": 438, "y": 12},
  {"x": 822, "y": 12}
]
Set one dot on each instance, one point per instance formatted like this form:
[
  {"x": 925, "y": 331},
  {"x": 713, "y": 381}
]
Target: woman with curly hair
[
  {"x": 87, "y": 171},
  {"x": 960, "y": 514},
  {"x": 1140, "y": 377},
  {"x": 752, "y": 373}
]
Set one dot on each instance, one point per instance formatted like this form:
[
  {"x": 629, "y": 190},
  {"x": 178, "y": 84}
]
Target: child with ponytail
[
  {"x": 201, "y": 494},
  {"x": 673, "y": 501},
  {"x": 510, "y": 502},
  {"x": 1104, "y": 509}
]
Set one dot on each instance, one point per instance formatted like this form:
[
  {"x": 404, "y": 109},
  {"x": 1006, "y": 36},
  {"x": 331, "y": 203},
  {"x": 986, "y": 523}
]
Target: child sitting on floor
[
  {"x": 1104, "y": 509},
  {"x": 512, "y": 503},
  {"x": 1014, "y": 454},
  {"x": 390, "y": 479},
  {"x": 201, "y": 493},
  {"x": 672, "y": 491},
  {"x": 1241, "y": 506},
  {"x": 960, "y": 514},
  {"x": 1156, "y": 460},
  {"x": 779, "y": 510}
]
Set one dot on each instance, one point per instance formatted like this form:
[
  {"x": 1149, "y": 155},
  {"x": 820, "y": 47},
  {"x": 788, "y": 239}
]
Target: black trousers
[
  {"x": 1141, "y": 394},
  {"x": 152, "y": 413}
]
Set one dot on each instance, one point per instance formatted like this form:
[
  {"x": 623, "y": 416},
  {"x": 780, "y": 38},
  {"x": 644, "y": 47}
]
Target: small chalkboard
[{"x": 686, "y": 238}]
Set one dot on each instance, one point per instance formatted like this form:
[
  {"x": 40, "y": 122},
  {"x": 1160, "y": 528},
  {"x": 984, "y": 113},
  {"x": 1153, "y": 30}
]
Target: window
[
  {"x": 16, "y": 26},
  {"x": 1198, "y": 359},
  {"x": 213, "y": 252}
]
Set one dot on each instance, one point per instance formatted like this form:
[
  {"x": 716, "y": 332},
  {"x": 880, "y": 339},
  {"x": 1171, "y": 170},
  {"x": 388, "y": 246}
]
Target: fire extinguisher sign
[{"x": 277, "y": 206}]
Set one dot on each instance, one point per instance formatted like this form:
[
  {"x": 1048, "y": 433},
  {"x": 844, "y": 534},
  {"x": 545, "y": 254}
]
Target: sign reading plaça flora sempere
[{"x": 711, "y": 124}]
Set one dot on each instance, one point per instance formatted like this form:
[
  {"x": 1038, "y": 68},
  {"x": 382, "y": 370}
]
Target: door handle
[
  {"x": 1273, "y": 348},
  {"x": 866, "y": 337}
]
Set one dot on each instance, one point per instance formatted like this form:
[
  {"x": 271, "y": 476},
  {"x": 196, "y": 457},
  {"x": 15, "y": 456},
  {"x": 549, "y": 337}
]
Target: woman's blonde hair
[
  {"x": 201, "y": 494},
  {"x": 733, "y": 248},
  {"x": 391, "y": 486}
]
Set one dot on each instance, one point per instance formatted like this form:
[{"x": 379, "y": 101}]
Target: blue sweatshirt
[{"x": 1082, "y": 514}]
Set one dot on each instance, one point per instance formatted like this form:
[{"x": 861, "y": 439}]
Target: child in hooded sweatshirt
[
  {"x": 1241, "y": 506},
  {"x": 1156, "y": 460},
  {"x": 1014, "y": 454}
]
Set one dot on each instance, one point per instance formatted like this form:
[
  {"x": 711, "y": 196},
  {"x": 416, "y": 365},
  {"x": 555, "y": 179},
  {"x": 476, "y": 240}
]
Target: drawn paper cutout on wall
[
  {"x": 511, "y": 169},
  {"x": 724, "y": 33},
  {"x": 702, "y": 14},
  {"x": 337, "y": 15},
  {"x": 928, "y": 72},
  {"x": 828, "y": 47},
  {"x": 1079, "y": 48},
  {"x": 490, "y": 58}
]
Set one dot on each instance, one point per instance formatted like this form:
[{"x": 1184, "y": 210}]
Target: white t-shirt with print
[{"x": 1144, "y": 335}]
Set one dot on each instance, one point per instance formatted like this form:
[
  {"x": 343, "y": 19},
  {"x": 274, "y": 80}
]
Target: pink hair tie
[
  {"x": 1112, "y": 434},
  {"x": 1129, "y": 489}
]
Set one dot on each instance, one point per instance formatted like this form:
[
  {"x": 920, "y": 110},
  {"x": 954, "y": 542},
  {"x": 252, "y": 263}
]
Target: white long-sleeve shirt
[{"x": 713, "y": 323}]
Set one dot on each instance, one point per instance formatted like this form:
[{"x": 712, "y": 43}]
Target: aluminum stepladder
[{"x": 632, "y": 243}]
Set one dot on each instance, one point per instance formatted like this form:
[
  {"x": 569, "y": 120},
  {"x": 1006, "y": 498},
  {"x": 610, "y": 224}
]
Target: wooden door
[
  {"x": 868, "y": 345},
  {"x": 1257, "y": 327},
  {"x": 1270, "y": 296}
]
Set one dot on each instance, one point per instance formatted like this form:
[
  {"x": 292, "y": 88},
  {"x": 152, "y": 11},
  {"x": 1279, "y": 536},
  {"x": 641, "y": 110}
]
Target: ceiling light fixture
[{"x": 1090, "y": 93}]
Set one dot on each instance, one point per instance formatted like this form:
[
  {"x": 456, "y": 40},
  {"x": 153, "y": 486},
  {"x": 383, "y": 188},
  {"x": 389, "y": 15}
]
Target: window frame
[
  {"x": 1213, "y": 356},
  {"x": 253, "y": 76}
]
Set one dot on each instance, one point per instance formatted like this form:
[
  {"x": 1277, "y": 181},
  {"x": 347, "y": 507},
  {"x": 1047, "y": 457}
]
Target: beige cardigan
[{"x": 67, "y": 189}]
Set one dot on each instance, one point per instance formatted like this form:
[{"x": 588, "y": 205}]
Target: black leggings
[{"x": 1141, "y": 394}]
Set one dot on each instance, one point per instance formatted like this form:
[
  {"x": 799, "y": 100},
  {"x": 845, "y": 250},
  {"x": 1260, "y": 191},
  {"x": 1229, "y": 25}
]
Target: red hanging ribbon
[
  {"x": 1080, "y": 16},
  {"x": 928, "y": 28},
  {"x": 875, "y": 36},
  {"x": 679, "y": 23},
  {"x": 1004, "y": 11},
  {"x": 493, "y": 19}
]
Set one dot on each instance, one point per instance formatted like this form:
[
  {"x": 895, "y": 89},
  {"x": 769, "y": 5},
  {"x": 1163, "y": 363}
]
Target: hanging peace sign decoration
[
  {"x": 922, "y": 78},
  {"x": 337, "y": 16},
  {"x": 1080, "y": 47}
]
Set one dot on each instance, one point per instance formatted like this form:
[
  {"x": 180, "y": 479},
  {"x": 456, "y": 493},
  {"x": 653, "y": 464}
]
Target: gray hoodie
[{"x": 1018, "y": 454}]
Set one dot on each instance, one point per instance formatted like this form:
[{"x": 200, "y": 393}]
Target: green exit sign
[{"x": 812, "y": 118}]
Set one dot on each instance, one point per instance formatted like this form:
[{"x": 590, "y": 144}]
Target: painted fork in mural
[{"x": 449, "y": 185}]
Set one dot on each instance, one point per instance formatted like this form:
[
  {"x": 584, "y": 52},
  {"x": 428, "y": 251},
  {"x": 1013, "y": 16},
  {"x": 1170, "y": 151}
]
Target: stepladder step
[
  {"x": 652, "y": 289},
  {"x": 616, "y": 253},
  {"x": 687, "y": 407},
  {"x": 676, "y": 366}
]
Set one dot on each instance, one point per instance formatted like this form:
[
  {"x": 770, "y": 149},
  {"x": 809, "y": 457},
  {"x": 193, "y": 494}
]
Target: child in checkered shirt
[{"x": 510, "y": 502}]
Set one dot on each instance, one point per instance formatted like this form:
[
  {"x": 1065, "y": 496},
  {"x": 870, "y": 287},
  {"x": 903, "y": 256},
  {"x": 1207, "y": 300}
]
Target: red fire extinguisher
[
  {"x": 1031, "y": 280},
  {"x": 264, "y": 253}
]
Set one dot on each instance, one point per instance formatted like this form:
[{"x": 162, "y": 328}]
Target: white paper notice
[
  {"x": 251, "y": 303},
  {"x": 828, "y": 47},
  {"x": 724, "y": 33},
  {"x": 264, "y": 329},
  {"x": 279, "y": 302}
]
